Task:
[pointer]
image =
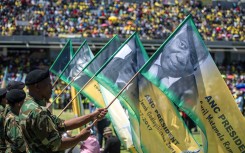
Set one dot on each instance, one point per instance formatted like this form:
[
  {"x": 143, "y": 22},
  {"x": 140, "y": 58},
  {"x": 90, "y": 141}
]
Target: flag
[
  {"x": 109, "y": 74},
  {"x": 62, "y": 59},
  {"x": 82, "y": 59},
  {"x": 4, "y": 80},
  {"x": 162, "y": 121},
  {"x": 184, "y": 70},
  {"x": 77, "y": 105},
  {"x": 113, "y": 72},
  {"x": 119, "y": 118},
  {"x": 166, "y": 135}
]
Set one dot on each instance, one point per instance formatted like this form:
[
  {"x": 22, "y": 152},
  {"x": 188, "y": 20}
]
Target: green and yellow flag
[
  {"x": 184, "y": 70},
  {"x": 153, "y": 118},
  {"x": 119, "y": 118},
  {"x": 59, "y": 65},
  {"x": 84, "y": 58}
]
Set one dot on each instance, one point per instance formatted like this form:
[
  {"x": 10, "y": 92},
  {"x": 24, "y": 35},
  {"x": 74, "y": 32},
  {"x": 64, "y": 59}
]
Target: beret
[
  {"x": 15, "y": 85},
  {"x": 3, "y": 91},
  {"x": 15, "y": 96},
  {"x": 36, "y": 76}
]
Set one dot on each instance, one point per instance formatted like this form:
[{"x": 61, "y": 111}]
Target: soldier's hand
[
  {"x": 86, "y": 132},
  {"x": 100, "y": 113}
]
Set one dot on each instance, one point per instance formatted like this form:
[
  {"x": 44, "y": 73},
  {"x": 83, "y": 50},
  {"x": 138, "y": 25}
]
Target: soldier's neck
[
  {"x": 35, "y": 96},
  {"x": 15, "y": 110}
]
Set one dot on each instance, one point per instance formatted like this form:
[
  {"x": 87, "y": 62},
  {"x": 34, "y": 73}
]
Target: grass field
[{"x": 68, "y": 115}]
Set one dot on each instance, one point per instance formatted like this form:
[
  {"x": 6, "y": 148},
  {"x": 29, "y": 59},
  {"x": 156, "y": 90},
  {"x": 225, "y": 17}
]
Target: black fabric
[
  {"x": 36, "y": 76},
  {"x": 15, "y": 96},
  {"x": 112, "y": 145},
  {"x": 3, "y": 91},
  {"x": 15, "y": 85}
]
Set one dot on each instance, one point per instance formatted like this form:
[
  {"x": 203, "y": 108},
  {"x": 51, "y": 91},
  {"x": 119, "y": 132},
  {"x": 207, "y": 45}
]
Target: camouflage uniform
[
  {"x": 42, "y": 130},
  {"x": 3, "y": 112},
  {"x": 2, "y": 140},
  {"x": 13, "y": 135}
]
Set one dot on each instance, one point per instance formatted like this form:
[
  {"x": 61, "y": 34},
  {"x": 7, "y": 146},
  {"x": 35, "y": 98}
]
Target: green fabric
[{"x": 2, "y": 139}]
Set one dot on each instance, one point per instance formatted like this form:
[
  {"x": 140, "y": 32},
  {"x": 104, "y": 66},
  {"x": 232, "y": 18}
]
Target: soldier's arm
[
  {"x": 73, "y": 141},
  {"x": 82, "y": 120},
  {"x": 48, "y": 132}
]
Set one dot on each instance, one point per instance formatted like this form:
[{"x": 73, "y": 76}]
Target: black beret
[
  {"x": 15, "y": 96},
  {"x": 36, "y": 76},
  {"x": 15, "y": 85},
  {"x": 3, "y": 91}
]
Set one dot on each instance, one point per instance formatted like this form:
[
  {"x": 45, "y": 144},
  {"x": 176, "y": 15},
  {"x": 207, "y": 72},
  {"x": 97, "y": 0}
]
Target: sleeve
[
  {"x": 2, "y": 142},
  {"x": 14, "y": 135},
  {"x": 59, "y": 123},
  {"x": 47, "y": 131}
]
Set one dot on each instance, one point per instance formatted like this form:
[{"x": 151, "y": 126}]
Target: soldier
[
  {"x": 42, "y": 130},
  {"x": 12, "y": 131},
  {"x": 15, "y": 85},
  {"x": 3, "y": 102}
]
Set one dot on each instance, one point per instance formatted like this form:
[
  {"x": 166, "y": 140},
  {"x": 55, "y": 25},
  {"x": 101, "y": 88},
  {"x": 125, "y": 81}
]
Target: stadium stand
[
  {"x": 34, "y": 31},
  {"x": 99, "y": 19}
]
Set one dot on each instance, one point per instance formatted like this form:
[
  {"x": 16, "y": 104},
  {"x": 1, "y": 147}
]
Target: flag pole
[
  {"x": 96, "y": 120},
  {"x": 73, "y": 79},
  {"x": 118, "y": 94},
  {"x": 76, "y": 95},
  {"x": 104, "y": 65},
  {"x": 55, "y": 82},
  {"x": 82, "y": 69}
]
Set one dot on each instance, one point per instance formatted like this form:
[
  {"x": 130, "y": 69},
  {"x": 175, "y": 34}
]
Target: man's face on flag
[
  {"x": 176, "y": 60},
  {"x": 80, "y": 64}
]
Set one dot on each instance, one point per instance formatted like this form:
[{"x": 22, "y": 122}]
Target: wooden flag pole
[
  {"x": 96, "y": 120},
  {"x": 55, "y": 81},
  {"x": 73, "y": 79},
  {"x": 76, "y": 95}
]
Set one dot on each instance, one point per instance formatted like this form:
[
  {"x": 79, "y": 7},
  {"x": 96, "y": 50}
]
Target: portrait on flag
[
  {"x": 81, "y": 61},
  {"x": 185, "y": 72},
  {"x": 175, "y": 66}
]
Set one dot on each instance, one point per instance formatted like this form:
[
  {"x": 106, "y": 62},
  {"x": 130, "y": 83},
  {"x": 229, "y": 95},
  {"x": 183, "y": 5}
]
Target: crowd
[
  {"x": 232, "y": 73},
  {"x": 96, "y": 19}
]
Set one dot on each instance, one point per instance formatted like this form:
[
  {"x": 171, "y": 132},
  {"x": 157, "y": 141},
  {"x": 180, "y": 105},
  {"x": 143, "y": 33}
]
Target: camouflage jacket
[
  {"x": 3, "y": 113},
  {"x": 42, "y": 131},
  {"x": 2, "y": 140},
  {"x": 13, "y": 135}
]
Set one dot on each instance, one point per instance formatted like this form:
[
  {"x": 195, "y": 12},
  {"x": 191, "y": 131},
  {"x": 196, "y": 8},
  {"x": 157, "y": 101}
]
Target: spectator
[
  {"x": 112, "y": 144},
  {"x": 74, "y": 149},
  {"x": 97, "y": 19},
  {"x": 91, "y": 145},
  {"x": 100, "y": 126}
]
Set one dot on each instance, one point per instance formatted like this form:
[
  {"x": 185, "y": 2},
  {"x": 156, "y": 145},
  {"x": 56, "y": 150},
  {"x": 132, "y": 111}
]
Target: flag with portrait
[
  {"x": 184, "y": 70},
  {"x": 84, "y": 59},
  {"x": 147, "y": 122}
]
